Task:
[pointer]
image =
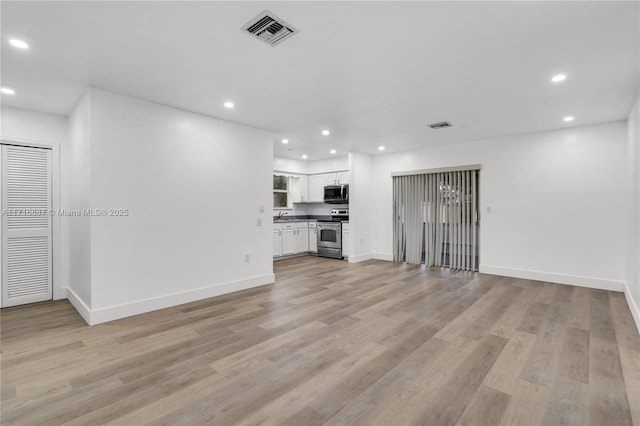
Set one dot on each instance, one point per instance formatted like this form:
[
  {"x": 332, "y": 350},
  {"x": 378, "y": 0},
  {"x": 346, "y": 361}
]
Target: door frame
[{"x": 58, "y": 291}]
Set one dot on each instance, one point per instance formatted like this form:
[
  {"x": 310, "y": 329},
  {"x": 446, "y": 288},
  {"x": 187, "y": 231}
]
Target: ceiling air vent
[
  {"x": 440, "y": 125},
  {"x": 269, "y": 28}
]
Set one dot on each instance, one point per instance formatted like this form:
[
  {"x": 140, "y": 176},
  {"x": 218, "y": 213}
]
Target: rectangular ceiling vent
[
  {"x": 440, "y": 125},
  {"x": 269, "y": 28}
]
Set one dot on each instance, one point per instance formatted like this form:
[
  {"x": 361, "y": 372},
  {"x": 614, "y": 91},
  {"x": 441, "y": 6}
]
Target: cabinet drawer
[
  {"x": 313, "y": 224},
  {"x": 301, "y": 225},
  {"x": 277, "y": 226}
]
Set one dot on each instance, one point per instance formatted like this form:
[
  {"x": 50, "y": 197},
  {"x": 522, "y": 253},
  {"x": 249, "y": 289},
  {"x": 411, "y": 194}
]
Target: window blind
[{"x": 436, "y": 219}]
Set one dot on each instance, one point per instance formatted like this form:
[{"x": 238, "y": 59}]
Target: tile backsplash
[{"x": 312, "y": 210}]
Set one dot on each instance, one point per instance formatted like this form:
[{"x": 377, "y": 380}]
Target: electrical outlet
[
  {"x": 488, "y": 209},
  {"x": 247, "y": 258},
  {"x": 259, "y": 222},
  {"x": 261, "y": 209}
]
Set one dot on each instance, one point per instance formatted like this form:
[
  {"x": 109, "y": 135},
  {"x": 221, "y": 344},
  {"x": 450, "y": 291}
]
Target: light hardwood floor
[{"x": 334, "y": 343}]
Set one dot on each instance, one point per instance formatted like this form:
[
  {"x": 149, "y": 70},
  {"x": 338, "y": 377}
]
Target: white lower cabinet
[
  {"x": 302, "y": 237},
  {"x": 290, "y": 238},
  {"x": 313, "y": 238},
  {"x": 277, "y": 240},
  {"x": 288, "y": 241},
  {"x": 346, "y": 246}
]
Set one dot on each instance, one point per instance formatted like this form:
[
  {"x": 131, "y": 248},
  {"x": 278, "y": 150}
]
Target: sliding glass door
[{"x": 436, "y": 218}]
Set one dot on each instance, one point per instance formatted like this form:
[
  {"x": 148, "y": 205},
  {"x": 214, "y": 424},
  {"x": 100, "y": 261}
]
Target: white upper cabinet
[
  {"x": 304, "y": 188},
  {"x": 316, "y": 188},
  {"x": 331, "y": 179},
  {"x": 343, "y": 178},
  {"x": 336, "y": 178},
  {"x": 310, "y": 188},
  {"x": 300, "y": 188}
]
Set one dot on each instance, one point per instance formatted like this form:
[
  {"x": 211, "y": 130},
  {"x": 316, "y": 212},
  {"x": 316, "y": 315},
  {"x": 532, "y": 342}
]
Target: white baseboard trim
[
  {"x": 383, "y": 256},
  {"x": 97, "y": 316},
  {"x": 360, "y": 258},
  {"x": 590, "y": 282},
  {"x": 79, "y": 304},
  {"x": 635, "y": 312}
]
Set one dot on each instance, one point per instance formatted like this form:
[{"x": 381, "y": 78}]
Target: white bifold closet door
[{"x": 25, "y": 183}]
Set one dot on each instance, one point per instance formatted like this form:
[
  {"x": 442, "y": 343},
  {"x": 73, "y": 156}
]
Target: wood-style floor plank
[
  {"x": 334, "y": 343},
  {"x": 629, "y": 351}
]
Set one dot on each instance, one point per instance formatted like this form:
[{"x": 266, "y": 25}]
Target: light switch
[{"x": 259, "y": 222}]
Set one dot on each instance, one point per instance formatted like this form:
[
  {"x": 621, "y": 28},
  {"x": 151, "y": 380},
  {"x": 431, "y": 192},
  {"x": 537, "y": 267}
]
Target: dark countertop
[{"x": 302, "y": 218}]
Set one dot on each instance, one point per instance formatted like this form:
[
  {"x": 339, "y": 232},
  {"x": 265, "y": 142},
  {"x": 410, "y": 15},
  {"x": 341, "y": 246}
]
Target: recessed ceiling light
[
  {"x": 285, "y": 141},
  {"x": 7, "y": 90},
  {"x": 18, "y": 43},
  {"x": 558, "y": 78},
  {"x": 228, "y": 104},
  {"x": 381, "y": 148},
  {"x": 326, "y": 132},
  {"x": 568, "y": 118},
  {"x": 333, "y": 151},
  {"x": 304, "y": 156}
]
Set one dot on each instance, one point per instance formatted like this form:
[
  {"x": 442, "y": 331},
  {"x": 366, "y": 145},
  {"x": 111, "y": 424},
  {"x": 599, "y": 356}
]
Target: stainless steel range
[{"x": 330, "y": 234}]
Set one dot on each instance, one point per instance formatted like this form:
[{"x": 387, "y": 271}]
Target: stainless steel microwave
[{"x": 336, "y": 194}]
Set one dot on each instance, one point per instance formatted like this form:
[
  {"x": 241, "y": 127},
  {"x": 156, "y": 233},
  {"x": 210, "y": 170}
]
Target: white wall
[
  {"x": 328, "y": 165},
  {"x": 555, "y": 198},
  {"x": 50, "y": 131},
  {"x": 79, "y": 195},
  {"x": 361, "y": 206},
  {"x": 193, "y": 186},
  {"x": 290, "y": 166},
  {"x": 633, "y": 234},
  {"x": 30, "y": 125},
  {"x": 282, "y": 164}
]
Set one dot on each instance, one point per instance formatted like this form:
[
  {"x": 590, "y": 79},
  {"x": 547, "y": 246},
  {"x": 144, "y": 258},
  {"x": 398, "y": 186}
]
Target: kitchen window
[{"x": 280, "y": 192}]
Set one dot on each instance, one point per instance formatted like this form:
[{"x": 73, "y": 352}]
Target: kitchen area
[{"x": 311, "y": 209}]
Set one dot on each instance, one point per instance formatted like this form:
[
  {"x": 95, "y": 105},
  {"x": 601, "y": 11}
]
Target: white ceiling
[{"x": 374, "y": 73}]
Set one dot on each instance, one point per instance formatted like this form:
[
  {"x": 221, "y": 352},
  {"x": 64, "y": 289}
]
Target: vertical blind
[{"x": 435, "y": 219}]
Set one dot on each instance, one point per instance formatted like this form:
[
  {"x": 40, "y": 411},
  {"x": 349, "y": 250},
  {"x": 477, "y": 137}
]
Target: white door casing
[{"x": 26, "y": 231}]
